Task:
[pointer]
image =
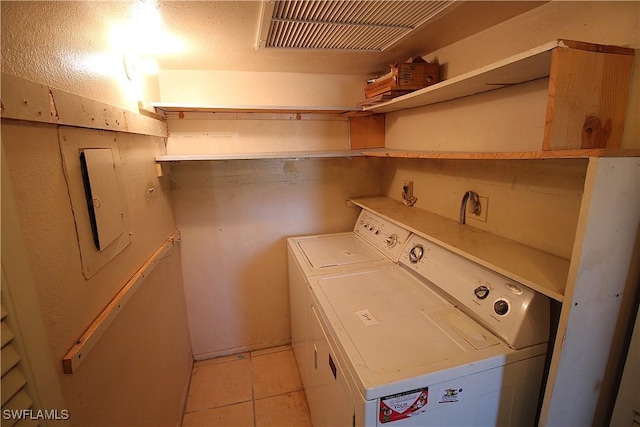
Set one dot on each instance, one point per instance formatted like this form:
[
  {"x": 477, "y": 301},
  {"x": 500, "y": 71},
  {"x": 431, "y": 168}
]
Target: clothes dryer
[{"x": 432, "y": 340}]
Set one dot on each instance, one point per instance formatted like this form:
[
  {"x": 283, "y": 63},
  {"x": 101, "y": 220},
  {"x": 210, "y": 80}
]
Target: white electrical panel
[
  {"x": 91, "y": 161},
  {"x": 103, "y": 197}
]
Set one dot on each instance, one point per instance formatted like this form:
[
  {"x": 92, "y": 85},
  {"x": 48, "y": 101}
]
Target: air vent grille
[{"x": 359, "y": 25}]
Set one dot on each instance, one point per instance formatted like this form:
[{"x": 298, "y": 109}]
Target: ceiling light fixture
[{"x": 143, "y": 38}]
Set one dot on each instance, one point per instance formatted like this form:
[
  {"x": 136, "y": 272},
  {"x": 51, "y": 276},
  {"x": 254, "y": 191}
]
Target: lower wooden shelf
[
  {"x": 524, "y": 155},
  {"x": 540, "y": 271},
  {"x": 257, "y": 156}
]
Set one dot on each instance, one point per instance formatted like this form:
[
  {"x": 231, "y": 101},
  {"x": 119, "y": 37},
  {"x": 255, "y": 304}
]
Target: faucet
[{"x": 473, "y": 197}]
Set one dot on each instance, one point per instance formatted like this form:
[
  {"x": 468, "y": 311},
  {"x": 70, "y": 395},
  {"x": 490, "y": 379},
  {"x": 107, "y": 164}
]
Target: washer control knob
[
  {"x": 416, "y": 253},
  {"x": 501, "y": 307},
  {"x": 391, "y": 240},
  {"x": 481, "y": 292}
]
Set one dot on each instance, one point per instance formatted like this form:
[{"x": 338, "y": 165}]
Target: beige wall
[
  {"x": 69, "y": 46},
  {"x": 234, "y": 217},
  {"x": 148, "y": 344},
  {"x": 211, "y": 87},
  {"x": 535, "y": 202},
  {"x": 279, "y": 133}
]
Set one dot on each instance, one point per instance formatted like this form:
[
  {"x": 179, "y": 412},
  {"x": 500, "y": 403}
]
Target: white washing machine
[
  {"x": 433, "y": 340},
  {"x": 373, "y": 243}
]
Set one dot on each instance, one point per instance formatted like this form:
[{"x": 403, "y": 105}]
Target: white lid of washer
[{"x": 336, "y": 250}]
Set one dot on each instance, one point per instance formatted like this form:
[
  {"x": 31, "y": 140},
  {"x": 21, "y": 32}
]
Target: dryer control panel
[
  {"x": 512, "y": 311},
  {"x": 386, "y": 236}
]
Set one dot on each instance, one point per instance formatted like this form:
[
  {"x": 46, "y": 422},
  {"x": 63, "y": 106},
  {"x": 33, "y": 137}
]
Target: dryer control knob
[
  {"x": 416, "y": 253},
  {"x": 501, "y": 307},
  {"x": 481, "y": 292},
  {"x": 391, "y": 240}
]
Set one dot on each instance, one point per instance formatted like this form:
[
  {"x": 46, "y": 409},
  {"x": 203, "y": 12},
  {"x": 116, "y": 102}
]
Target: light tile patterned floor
[{"x": 257, "y": 389}]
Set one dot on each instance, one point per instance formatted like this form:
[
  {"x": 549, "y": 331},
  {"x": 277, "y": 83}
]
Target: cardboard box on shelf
[{"x": 402, "y": 78}]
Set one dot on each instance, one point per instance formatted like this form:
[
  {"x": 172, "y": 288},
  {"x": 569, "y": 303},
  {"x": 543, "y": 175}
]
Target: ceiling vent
[{"x": 353, "y": 25}]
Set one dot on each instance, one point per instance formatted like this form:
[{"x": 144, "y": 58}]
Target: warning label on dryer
[
  {"x": 403, "y": 405},
  {"x": 449, "y": 395}
]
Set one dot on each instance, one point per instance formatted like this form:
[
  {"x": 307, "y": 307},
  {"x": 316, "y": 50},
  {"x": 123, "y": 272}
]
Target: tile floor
[{"x": 256, "y": 389}]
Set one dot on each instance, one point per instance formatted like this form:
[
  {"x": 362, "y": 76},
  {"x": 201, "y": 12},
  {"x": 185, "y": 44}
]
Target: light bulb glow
[{"x": 142, "y": 38}]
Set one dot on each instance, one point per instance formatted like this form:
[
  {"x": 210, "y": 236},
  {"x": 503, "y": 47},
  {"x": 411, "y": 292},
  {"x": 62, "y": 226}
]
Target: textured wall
[
  {"x": 149, "y": 341},
  {"x": 535, "y": 202},
  {"x": 67, "y": 45},
  {"x": 235, "y": 217},
  {"x": 259, "y": 88}
]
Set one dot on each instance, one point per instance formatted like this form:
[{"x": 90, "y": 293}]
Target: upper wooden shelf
[
  {"x": 580, "y": 121},
  {"x": 523, "y": 67},
  {"x": 169, "y": 108},
  {"x": 540, "y": 271},
  {"x": 521, "y": 155}
]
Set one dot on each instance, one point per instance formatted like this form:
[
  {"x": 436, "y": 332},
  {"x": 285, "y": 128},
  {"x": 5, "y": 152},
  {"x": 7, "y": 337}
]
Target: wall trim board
[
  {"x": 81, "y": 349},
  {"x": 34, "y": 102},
  {"x": 600, "y": 266}
]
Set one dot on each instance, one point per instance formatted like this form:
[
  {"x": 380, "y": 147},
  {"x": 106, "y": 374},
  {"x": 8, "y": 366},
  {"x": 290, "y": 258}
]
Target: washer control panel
[
  {"x": 384, "y": 235},
  {"x": 512, "y": 311}
]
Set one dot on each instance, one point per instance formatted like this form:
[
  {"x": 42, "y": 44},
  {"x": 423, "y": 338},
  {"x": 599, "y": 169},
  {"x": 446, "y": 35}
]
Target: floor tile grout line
[
  {"x": 253, "y": 393},
  {"x": 211, "y": 408}
]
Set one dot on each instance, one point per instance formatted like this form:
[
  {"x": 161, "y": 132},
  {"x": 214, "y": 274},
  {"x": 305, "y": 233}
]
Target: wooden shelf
[
  {"x": 169, "y": 108},
  {"x": 527, "y": 66},
  {"x": 253, "y": 156},
  {"x": 540, "y": 271},
  {"x": 524, "y": 67},
  {"x": 525, "y": 155}
]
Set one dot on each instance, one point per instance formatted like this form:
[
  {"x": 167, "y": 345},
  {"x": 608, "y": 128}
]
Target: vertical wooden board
[
  {"x": 600, "y": 264},
  {"x": 24, "y": 100},
  {"x": 358, "y": 132},
  {"x": 588, "y": 95},
  {"x": 367, "y": 131}
]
